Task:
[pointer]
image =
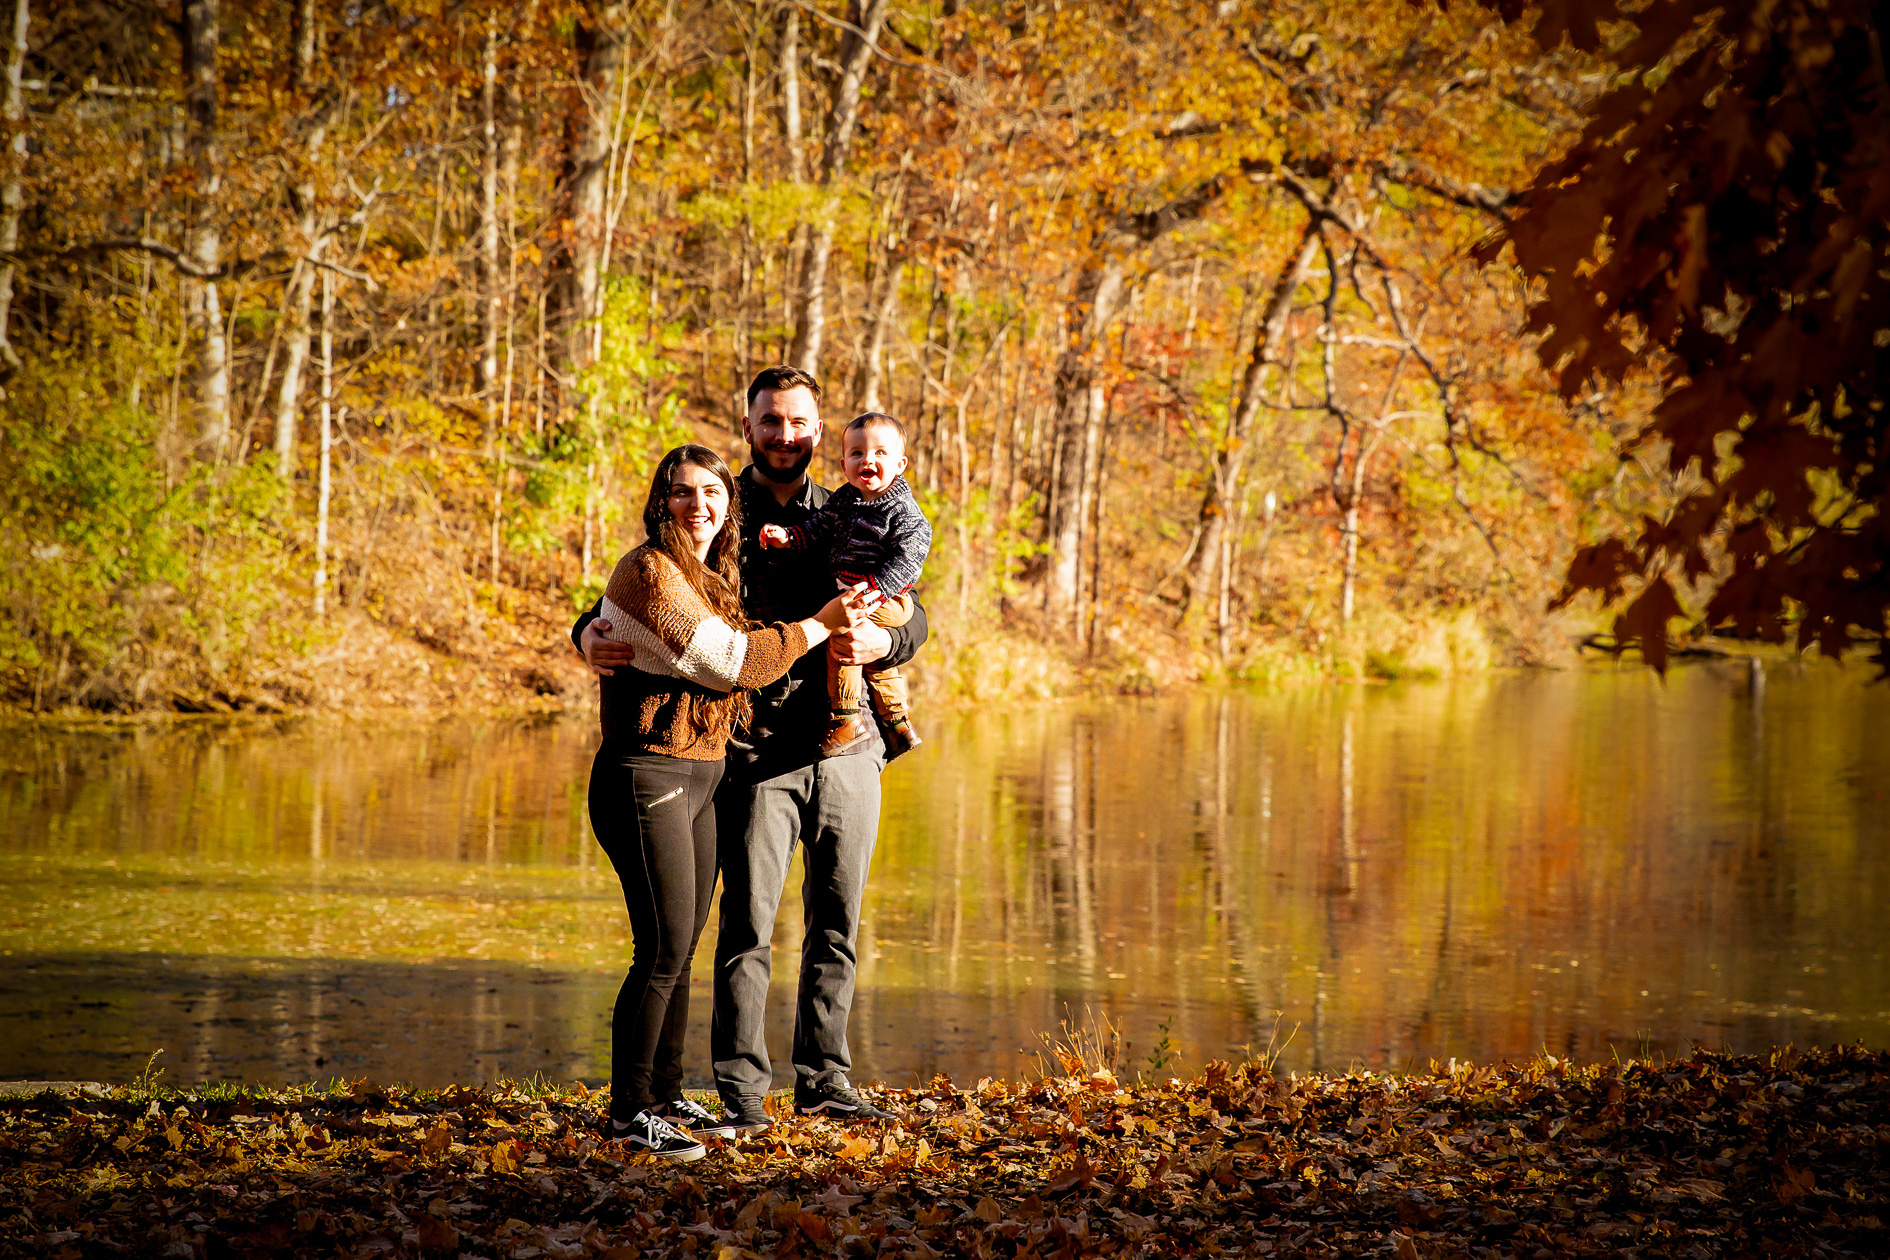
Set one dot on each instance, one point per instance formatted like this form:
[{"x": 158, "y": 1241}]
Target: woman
[{"x": 676, "y": 600}]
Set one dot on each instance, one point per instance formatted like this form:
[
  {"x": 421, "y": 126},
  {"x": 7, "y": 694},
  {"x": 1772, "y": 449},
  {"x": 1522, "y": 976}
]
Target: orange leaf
[{"x": 1081, "y": 1173}]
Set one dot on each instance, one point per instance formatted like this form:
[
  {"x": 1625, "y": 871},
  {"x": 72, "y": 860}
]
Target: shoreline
[
  {"x": 1707, "y": 1154},
  {"x": 527, "y": 706}
]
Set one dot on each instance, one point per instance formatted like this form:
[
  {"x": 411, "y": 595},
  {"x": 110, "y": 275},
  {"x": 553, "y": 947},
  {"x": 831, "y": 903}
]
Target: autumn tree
[
  {"x": 1124, "y": 271},
  {"x": 1724, "y": 220}
]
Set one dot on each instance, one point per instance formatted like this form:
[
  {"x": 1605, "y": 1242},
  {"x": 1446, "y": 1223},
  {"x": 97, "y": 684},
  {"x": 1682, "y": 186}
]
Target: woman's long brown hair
[{"x": 718, "y": 578}]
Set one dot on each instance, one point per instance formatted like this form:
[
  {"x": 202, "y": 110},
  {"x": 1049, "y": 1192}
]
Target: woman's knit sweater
[{"x": 683, "y": 650}]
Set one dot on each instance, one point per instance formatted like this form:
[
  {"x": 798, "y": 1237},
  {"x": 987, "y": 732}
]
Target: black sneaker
[
  {"x": 836, "y": 1100},
  {"x": 745, "y": 1117},
  {"x": 698, "y": 1120},
  {"x": 647, "y": 1131}
]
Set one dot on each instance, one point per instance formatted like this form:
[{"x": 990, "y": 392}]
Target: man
[{"x": 779, "y": 792}]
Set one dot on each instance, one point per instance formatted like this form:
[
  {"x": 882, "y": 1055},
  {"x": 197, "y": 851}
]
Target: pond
[{"x": 1585, "y": 863}]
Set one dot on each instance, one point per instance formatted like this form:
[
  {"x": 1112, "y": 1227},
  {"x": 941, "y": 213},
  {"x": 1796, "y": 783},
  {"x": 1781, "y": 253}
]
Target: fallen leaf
[
  {"x": 437, "y": 1235},
  {"x": 438, "y": 1138},
  {"x": 1080, "y": 1174}
]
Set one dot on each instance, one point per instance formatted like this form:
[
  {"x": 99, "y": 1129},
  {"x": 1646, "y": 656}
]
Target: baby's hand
[{"x": 773, "y": 536}]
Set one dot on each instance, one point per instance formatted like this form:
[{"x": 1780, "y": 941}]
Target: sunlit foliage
[{"x": 1175, "y": 299}]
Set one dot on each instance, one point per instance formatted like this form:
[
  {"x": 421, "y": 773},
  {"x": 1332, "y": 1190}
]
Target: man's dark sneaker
[
  {"x": 746, "y": 1116},
  {"x": 684, "y": 1113},
  {"x": 647, "y": 1131},
  {"x": 836, "y": 1100}
]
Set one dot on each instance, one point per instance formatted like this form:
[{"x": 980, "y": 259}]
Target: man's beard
[{"x": 780, "y": 476}]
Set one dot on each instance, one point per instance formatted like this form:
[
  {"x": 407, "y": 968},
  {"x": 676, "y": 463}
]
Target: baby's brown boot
[
  {"x": 846, "y": 730},
  {"x": 899, "y": 735}
]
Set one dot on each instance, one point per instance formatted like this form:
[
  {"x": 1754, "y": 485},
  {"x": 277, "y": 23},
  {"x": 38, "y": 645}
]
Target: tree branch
[{"x": 179, "y": 259}]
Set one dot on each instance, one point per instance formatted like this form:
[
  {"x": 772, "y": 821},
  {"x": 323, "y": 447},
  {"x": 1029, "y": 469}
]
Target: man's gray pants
[{"x": 831, "y": 809}]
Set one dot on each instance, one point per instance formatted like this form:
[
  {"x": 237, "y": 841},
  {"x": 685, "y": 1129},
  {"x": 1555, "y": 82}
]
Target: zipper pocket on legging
[{"x": 667, "y": 796}]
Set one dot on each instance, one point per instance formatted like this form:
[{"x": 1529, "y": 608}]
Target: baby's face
[{"x": 872, "y": 458}]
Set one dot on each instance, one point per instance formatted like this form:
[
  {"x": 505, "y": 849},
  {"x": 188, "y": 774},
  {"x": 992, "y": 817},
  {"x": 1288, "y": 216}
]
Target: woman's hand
[
  {"x": 602, "y": 654},
  {"x": 845, "y": 611},
  {"x": 850, "y": 608}
]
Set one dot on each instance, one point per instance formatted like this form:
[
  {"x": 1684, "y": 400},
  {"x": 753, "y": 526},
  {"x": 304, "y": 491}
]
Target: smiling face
[
  {"x": 782, "y": 428},
  {"x": 874, "y": 456},
  {"x": 698, "y": 501}
]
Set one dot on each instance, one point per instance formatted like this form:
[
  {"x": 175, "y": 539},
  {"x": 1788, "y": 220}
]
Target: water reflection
[{"x": 1484, "y": 868}]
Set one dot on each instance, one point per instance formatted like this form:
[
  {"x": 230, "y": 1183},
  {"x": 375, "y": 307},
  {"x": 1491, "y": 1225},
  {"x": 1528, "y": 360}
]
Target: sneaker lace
[
  {"x": 692, "y": 1111},
  {"x": 661, "y": 1130}
]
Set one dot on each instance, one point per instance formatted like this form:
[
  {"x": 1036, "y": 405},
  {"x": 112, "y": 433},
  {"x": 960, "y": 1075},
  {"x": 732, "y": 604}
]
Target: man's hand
[
  {"x": 773, "y": 536},
  {"x": 861, "y": 644},
  {"x": 604, "y": 655}
]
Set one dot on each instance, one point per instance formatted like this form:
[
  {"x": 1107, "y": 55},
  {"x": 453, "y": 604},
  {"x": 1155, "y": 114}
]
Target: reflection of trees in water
[
  {"x": 1490, "y": 866},
  {"x": 503, "y": 791},
  {"x": 293, "y": 1021}
]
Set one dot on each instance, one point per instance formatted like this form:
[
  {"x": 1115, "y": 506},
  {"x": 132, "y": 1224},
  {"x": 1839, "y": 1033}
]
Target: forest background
[{"x": 340, "y": 339}]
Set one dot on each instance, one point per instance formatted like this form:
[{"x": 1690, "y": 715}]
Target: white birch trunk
[
  {"x": 202, "y": 33},
  {"x": 791, "y": 92}
]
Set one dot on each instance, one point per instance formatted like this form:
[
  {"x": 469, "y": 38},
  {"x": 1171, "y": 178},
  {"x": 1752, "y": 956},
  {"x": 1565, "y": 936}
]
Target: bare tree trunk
[
  {"x": 1099, "y": 292},
  {"x": 603, "y": 70},
  {"x": 13, "y": 112},
  {"x": 492, "y": 280},
  {"x": 301, "y": 291},
  {"x": 513, "y": 140},
  {"x": 590, "y": 518},
  {"x": 792, "y": 132},
  {"x": 302, "y": 37},
  {"x": 810, "y": 323},
  {"x": 1224, "y": 479},
  {"x": 1349, "y": 578},
  {"x": 751, "y": 53},
  {"x": 791, "y": 92},
  {"x": 322, "y": 476},
  {"x": 288, "y": 398},
  {"x": 964, "y": 503},
  {"x": 1355, "y": 494},
  {"x": 1230, "y": 557},
  {"x": 882, "y": 320},
  {"x": 204, "y": 244},
  {"x": 1097, "y": 475}
]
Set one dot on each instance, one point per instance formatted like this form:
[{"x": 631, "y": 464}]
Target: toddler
[{"x": 872, "y": 531}]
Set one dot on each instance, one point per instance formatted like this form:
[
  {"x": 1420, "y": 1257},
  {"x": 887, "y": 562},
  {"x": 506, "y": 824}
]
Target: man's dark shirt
[{"x": 781, "y": 585}]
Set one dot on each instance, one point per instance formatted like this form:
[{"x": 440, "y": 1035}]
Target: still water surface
[{"x": 1481, "y": 868}]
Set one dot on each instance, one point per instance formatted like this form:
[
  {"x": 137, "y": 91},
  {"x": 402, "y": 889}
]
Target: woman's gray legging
[{"x": 655, "y": 818}]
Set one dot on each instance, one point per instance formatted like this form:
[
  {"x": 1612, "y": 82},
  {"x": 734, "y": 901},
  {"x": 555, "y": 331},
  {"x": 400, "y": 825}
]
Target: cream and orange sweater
[{"x": 682, "y": 649}]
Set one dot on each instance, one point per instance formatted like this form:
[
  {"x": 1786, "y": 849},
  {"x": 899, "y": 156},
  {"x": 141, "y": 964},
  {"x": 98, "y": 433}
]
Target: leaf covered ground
[{"x": 1781, "y": 1153}]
